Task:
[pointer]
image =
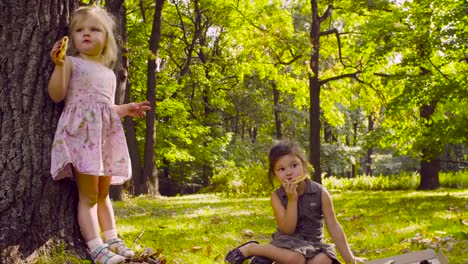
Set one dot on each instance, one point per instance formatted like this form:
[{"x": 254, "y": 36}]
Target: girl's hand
[
  {"x": 358, "y": 260},
  {"x": 291, "y": 189},
  {"x": 137, "y": 109},
  {"x": 56, "y": 47}
]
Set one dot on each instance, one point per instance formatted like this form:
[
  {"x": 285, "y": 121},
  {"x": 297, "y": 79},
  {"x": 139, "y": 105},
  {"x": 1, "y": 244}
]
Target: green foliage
[
  {"x": 232, "y": 180},
  {"x": 454, "y": 179},
  {"x": 220, "y": 61},
  {"x": 253, "y": 181},
  {"x": 425, "y": 75},
  {"x": 404, "y": 181}
]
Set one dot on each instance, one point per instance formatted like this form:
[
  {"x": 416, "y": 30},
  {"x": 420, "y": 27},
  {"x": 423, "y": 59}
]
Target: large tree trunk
[
  {"x": 35, "y": 213},
  {"x": 429, "y": 175},
  {"x": 430, "y": 164}
]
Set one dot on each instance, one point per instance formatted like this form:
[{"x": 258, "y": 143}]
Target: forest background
[{"x": 367, "y": 88}]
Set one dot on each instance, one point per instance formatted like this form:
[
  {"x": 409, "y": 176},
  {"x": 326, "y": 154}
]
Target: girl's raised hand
[
  {"x": 291, "y": 189},
  {"x": 359, "y": 260},
  {"x": 55, "y": 48},
  {"x": 138, "y": 109}
]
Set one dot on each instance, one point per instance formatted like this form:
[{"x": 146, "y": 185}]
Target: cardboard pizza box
[{"x": 427, "y": 256}]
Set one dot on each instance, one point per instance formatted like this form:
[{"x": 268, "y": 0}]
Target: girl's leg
[
  {"x": 280, "y": 255},
  {"x": 105, "y": 210},
  {"x": 88, "y": 189},
  {"x": 320, "y": 258},
  {"x": 87, "y": 205},
  {"x": 106, "y": 218}
]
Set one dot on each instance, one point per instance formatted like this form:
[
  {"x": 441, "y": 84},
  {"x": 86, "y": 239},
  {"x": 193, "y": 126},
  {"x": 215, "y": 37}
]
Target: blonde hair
[{"x": 109, "y": 52}]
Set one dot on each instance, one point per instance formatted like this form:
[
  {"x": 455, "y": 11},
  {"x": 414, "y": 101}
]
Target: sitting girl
[{"x": 300, "y": 206}]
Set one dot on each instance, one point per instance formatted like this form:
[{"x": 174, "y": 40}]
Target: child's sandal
[
  {"x": 103, "y": 255},
  {"x": 235, "y": 256},
  {"x": 117, "y": 246}
]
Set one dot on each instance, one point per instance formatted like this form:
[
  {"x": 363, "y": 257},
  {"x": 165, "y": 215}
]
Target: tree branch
[
  {"x": 295, "y": 58},
  {"x": 334, "y": 78},
  {"x": 437, "y": 68},
  {"x": 337, "y": 34},
  {"x": 326, "y": 14}
]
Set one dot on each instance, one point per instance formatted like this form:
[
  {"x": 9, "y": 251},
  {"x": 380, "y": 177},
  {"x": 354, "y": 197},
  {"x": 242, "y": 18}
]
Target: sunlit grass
[{"x": 202, "y": 228}]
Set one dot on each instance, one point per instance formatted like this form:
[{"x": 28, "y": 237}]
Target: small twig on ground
[{"x": 138, "y": 237}]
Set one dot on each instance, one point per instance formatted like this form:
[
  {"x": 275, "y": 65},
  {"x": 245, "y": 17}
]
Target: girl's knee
[
  {"x": 102, "y": 196},
  {"x": 296, "y": 258},
  {"x": 89, "y": 198},
  {"x": 320, "y": 258}
]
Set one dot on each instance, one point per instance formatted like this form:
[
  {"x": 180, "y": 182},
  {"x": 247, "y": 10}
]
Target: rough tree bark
[{"x": 35, "y": 213}]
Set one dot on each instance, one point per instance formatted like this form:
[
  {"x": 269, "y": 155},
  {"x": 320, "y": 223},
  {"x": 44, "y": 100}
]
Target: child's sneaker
[
  {"x": 117, "y": 246},
  {"x": 103, "y": 255}
]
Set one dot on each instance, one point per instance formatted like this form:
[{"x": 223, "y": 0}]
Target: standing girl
[
  {"x": 89, "y": 144},
  {"x": 299, "y": 206}
]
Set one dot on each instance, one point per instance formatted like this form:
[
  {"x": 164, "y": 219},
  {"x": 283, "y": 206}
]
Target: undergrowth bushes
[
  {"x": 253, "y": 181},
  {"x": 404, "y": 181}
]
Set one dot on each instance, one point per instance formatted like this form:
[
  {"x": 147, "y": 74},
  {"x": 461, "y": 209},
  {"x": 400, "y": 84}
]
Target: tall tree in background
[
  {"x": 35, "y": 213},
  {"x": 150, "y": 171},
  {"x": 426, "y": 72},
  {"x": 117, "y": 9},
  {"x": 315, "y": 83}
]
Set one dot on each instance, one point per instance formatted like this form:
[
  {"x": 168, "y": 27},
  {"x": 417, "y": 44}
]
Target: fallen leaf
[{"x": 195, "y": 248}]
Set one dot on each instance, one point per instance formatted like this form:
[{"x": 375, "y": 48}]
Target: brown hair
[{"x": 281, "y": 149}]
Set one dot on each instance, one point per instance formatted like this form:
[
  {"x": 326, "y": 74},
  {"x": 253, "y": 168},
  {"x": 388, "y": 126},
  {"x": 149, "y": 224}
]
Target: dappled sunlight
[
  {"x": 218, "y": 212},
  {"x": 126, "y": 228},
  {"x": 410, "y": 229}
]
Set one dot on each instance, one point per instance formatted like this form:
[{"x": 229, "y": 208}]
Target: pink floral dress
[{"x": 89, "y": 135}]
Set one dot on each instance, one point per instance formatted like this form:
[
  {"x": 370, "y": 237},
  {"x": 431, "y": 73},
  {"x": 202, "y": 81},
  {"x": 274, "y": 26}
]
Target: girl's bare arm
[
  {"x": 132, "y": 109},
  {"x": 335, "y": 229},
  {"x": 60, "y": 78},
  {"x": 286, "y": 218}
]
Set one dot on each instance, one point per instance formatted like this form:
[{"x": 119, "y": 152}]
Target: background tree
[
  {"x": 425, "y": 73},
  {"x": 150, "y": 171}
]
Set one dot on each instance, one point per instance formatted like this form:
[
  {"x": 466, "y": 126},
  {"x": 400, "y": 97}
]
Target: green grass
[
  {"x": 202, "y": 228},
  {"x": 381, "y": 216}
]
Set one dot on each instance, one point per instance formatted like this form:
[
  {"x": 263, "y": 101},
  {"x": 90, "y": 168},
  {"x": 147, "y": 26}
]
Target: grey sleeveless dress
[{"x": 307, "y": 239}]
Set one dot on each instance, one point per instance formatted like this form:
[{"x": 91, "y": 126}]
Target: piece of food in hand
[
  {"x": 299, "y": 179},
  {"x": 60, "y": 52}
]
